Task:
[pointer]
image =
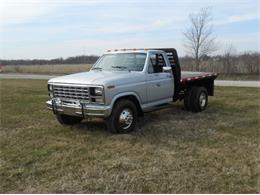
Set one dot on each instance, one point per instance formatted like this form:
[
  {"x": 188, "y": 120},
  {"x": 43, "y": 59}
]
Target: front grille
[{"x": 71, "y": 92}]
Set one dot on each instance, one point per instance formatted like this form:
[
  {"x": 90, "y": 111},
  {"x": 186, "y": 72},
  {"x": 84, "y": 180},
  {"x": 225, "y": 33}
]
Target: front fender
[{"x": 124, "y": 94}]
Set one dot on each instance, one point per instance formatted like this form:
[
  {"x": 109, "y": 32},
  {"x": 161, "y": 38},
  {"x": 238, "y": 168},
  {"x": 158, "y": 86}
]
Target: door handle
[{"x": 158, "y": 84}]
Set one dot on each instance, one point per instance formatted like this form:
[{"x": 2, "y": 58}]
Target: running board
[{"x": 158, "y": 107}]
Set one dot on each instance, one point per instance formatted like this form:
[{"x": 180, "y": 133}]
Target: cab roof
[{"x": 132, "y": 51}]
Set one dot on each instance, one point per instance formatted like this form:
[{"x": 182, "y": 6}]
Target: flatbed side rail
[
  {"x": 199, "y": 77},
  {"x": 205, "y": 80}
]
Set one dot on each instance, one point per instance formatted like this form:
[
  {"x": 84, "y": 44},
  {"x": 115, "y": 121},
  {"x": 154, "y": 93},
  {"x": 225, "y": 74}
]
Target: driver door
[{"x": 159, "y": 84}]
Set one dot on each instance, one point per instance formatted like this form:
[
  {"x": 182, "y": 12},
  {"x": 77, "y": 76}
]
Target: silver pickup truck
[{"x": 124, "y": 84}]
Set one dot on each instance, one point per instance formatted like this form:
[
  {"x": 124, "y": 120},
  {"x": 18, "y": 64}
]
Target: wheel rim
[
  {"x": 203, "y": 100},
  {"x": 126, "y": 118}
]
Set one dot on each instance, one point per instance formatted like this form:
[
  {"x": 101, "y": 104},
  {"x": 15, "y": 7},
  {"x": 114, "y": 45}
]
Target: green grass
[{"x": 171, "y": 151}]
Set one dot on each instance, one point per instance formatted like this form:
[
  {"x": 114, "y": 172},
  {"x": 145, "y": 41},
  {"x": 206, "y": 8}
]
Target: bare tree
[
  {"x": 199, "y": 36},
  {"x": 229, "y": 53},
  {"x": 251, "y": 61}
]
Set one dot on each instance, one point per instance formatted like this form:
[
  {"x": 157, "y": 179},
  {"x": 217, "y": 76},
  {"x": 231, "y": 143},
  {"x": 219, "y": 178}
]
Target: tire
[
  {"x": 126, "y": 111},
  {"x": 68, "y": 120},
  {"x": 198, "y": 99}
]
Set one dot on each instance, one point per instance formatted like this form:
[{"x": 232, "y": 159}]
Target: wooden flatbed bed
[{"x": 192, "y": 76}]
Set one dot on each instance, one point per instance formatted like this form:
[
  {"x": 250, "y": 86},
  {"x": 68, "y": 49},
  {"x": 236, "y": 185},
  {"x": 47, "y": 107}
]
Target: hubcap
[
  {"x": 202, "y": 100},
  {"x": 126, "y": 118}
]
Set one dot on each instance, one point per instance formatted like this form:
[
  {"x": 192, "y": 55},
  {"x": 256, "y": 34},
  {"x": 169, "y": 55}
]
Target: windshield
[{"x": 121, "y": 62}]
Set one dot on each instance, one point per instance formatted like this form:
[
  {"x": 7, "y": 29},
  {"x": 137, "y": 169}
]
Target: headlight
[
  {"x": 97, "y": 95},
  {"x": 98, "y": 91},
  {"x": 50, "y": 87}
]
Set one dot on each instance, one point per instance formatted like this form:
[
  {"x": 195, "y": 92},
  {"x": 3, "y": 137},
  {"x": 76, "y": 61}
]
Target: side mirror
[{"x": 167, "y": 69}]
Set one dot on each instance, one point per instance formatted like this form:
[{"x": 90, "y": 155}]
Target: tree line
[
  {"x": 228, "y": 63},
  {"x": 83, "y": 59}
]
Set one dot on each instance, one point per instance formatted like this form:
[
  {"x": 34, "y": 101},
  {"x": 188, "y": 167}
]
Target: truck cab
[{"x": 124, "y": 84}]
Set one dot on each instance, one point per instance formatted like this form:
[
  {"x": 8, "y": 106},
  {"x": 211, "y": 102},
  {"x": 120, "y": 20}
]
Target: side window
[
  {"x": 156, "y": 64},
  {"x": 140, "y": 60}
]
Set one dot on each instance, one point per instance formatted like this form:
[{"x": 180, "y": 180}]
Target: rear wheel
[
  {"x": 198, "y": 99},
  {"x": 68, "y": 120},
  {"x": 123, "y": 117}
]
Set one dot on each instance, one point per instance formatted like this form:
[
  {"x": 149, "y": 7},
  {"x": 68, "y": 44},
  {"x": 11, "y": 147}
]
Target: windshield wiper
[
  {"x": 96, "y": 68},
  {"x": 120, "y": 67}
]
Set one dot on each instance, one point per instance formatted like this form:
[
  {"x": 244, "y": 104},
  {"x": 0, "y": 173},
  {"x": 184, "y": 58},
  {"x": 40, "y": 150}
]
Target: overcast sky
[{"x": 62, "y": 28}]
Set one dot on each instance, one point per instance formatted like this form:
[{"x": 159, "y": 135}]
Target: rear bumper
[{"x": 83, "y": 110}]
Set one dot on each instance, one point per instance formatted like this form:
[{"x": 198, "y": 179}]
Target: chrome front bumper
[{"x": 82, "y": 110}]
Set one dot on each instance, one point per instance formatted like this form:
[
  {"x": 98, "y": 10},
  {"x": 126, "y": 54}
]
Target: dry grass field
[
  {"x": 172, "y": 151},
  {"x": 47, "y": 69}
]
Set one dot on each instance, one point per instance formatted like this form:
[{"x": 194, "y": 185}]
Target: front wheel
[
  {"x": 123, "y": 117},
  {"x": 68, "y": 120}
]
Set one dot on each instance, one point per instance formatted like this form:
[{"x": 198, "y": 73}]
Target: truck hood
[{"x": 96, "y": 77}]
